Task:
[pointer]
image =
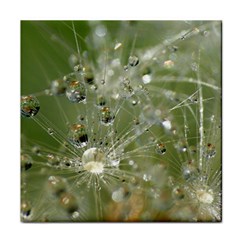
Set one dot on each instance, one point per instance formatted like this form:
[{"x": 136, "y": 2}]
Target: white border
[{"x": 14, "y": 11}]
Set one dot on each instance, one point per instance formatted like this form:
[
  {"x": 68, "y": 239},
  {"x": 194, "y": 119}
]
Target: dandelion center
[
  {"x": 93, "y": 160},
  {"x": 204, "y": 196}
]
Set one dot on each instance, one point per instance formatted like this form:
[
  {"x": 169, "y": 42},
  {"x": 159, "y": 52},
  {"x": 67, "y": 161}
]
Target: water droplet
[
  {"x": 181, "y": 146},
  {"x": 178, "y": 193},
  {"x": 101, "y": 101},
  {"x": 134, "y": 102},
  {"x": 93, "y": 160},
  {"x": 106, "y": 116},
  {"x": 103, "y": 81},
  {"x": 77, "y": 135},
  {"x": 150, "y": 115},
  {"x": 167, "y": 124},
  {"x": 206, "y": 33},
  {"x": 189, "y": 170},
  {"x": 133, "y": 61},
  {"x": 194, "y": 66},
  {"x": 147, "y": 177},
  {"x": 88, "y": 75},
  {"x": 50, "y": 131},
  {"x": 193, "y": 149},
  {"x": 26, "y": 210},
  {"x": 53, "y": 160},
  {"x": 58, "y": 87},
  {"x": 121, "y": 194},
  {"x": 76, "y": 92},
  {"x": 68, "y": 202},
  {"x": 29, "y": 106},
  {"x": 57, "y": 185},
  {"x": 36, "y": 150},
  {"x": 168, "y": 64},
  {"x": 101, "y": 31},
  {"x": 147, "y": 78},
  {"x": 75, "y": 215},
  {"x": 26, "y": 162},
  {"x": 209, "y": 151},
  {"x": 161, "y": 148},
  {"x": 125, "y": 68}
]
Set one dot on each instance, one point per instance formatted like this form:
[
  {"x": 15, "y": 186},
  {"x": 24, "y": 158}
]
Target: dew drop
[
  {"x": 29, "y": 106},
  {"x": 93, "y": 160},
  {"x": 75, "y": 215},
  {"x": 161, "y": 148},
  {"x": 68, "y": 202},
  {"x": 193, "y": 149},
  {"x": 181, "y": 146},
  {"x": 101, "y": 31},
  {"x": 121, "y": 194},
  {"x": 53, "y": 160},
  {"x": 106, "y": 116},
  {"x": 189, "y": 170},
  {"x": 58, "y": 87},
  {"x": 194, "y": 66},
  {"x": 209, "y": 151},
  {"x": 101, "y": 101},
  {"x": 76, "y": 92},
  {"x": 50, "y": 131},
  {"x": 88, "y": 75},
  {"x": 56, "y": 185},
  {"x": 168, "y": 64},
  {"x": 26, "y": 210},
  {"x": 77, "y": 135},
  {"x": 133, "y": 61},
  {"x": 178, "y": 193},
  {"x": 26, "y": 162},
  {"x": 147, "y": 78}
]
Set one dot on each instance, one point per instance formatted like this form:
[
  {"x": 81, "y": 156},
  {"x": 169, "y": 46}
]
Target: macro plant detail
[{"x": 121, "y": 121}]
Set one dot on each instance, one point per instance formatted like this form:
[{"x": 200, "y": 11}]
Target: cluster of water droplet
[{"x": 137, "y": 145}]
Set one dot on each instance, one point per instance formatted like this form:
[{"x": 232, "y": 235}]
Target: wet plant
[{"x": 121, "y": 121}]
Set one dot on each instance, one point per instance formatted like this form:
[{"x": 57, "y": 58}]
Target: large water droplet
[
  {"x": 106, "y": 116},
  {"x": 77, "y": 135},
  {"x": 93, "y": 160},
  {"x": 29, "y": 106},
  {"x": 76, "y": 92}
]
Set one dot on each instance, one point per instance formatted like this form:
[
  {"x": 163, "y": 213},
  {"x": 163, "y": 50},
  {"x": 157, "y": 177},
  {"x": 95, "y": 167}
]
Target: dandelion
[{"x": 114, "y": 130}]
